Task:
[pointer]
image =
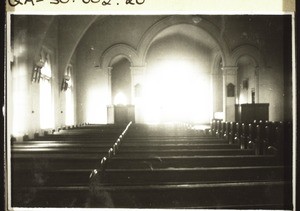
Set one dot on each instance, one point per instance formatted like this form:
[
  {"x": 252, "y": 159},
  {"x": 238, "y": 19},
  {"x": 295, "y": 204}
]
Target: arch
[
  {"x": 217, "y": 63},
  {"x": 121, "y": 79},
  {"x": 145, "y": 42},
  {"x": 248, "y": 59},
  {"x": 123, "y": 50},
  {"x": 248, "y": 50},
  {"x": 253, "y": 54},
  {"x": 207, "y": 26}
]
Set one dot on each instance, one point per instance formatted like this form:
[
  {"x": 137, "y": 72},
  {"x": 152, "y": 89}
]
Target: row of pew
[
  {"x": 263, "y": 136},
  {"x": 147, "y": 166},
  {"x": 53, "y": 170},
  {"x": 167, "y": 167}
]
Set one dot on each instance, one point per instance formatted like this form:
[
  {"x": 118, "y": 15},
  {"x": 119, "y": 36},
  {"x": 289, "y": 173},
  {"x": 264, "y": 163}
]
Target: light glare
[
  {"x": 96, "y": 112},
  {"x": 175, "y": 91},
  {"x": 19, "y": 105},
  {"x": 69, "y": 107},
  {"x": 120, "y": 99},
  {"x": 46, "y": 111}
]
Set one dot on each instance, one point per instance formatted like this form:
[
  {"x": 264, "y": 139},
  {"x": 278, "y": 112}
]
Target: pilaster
[
  {"x": 137, "y": 77},
  {"x": 257, "y": 70},
  {"x": 108, "y": 73},
  {"x": 229, "y": 99}
]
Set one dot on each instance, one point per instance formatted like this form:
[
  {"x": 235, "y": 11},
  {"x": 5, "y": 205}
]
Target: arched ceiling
[
  {"x": 195, "y": 34},
  {"x": 72, "y": 28}
]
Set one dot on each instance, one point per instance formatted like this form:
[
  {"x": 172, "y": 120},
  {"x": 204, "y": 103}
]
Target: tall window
[
  {"x": 69, "y": 96},
  {"x": 46, "y": 104}
]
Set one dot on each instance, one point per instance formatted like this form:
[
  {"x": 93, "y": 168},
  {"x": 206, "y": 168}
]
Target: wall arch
[
  {"x": 121, "y": 79},
  {"x": 143, "y": 46},
  {"x": 217, "y": 64},
  {"x": 248, "y": 50},
  {"x": 118, "y": 50},
  {"x": 254, "y": 56},
  {"x": 207, "y": 26}
]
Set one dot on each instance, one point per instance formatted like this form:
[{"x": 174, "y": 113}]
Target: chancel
[{"x": 150, "y": 111}]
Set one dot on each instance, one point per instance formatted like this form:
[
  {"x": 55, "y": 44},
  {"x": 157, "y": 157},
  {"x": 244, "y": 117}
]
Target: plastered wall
[{"x": 81, "y": 41}]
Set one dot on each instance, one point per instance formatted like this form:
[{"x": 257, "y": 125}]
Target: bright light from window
[
  {"x": 19, "y": 100},
  {"x": 175, "y": 91},
  {"x": 46, "y": 112},
  {"x": 96, "y": 112},
  {"x": 46, "y": 70},
  {"x": 46, "y": 107},
  {"x": 69, "y": 107},
  {"x": 120, "y": 99}
]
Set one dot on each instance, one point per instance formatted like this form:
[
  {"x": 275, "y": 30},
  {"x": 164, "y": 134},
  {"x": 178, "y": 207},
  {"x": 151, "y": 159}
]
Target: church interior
[{"x": 150, "y": 111}]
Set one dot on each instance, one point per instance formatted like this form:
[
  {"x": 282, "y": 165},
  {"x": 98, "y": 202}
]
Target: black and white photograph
[{"x": 150, "y": 111}]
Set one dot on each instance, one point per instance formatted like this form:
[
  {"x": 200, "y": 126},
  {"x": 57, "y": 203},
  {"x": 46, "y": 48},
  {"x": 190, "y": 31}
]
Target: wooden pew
[
  {"x": 199, "y": 195},
  {"x": 136, "y": 169},
  {"x": 155, "y": 176},
  {"x": 167, "y": 196},
  {"x": 57, "y": 162},
  {"x": 232, "y": 132},
  {"x": 183, "y": 152},
  {"x": 141, "y": 174},
  {"x": 144, "y": 161}
]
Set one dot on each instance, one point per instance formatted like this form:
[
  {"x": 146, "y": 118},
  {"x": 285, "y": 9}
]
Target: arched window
[{"x": 46, "y": 103}]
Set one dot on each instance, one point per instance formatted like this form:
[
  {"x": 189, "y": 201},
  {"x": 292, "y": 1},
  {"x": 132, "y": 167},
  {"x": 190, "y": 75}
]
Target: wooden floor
[{"x": 152, "y": 167}]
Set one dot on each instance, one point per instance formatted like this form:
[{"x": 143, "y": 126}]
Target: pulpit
[{"x": 251, "y": 112}]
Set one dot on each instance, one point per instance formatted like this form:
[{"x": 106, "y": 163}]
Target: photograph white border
[{"x": 233, "y": 7}]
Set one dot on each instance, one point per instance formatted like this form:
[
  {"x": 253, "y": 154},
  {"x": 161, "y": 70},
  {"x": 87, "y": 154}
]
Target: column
[
  {"x": 110, "y": 108},
  {"x": 257, "y": 84},
  {"x": 109, "y": 100},
  {"x": 137, "y": 77},
  {"x": 229, "y": 99}
]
